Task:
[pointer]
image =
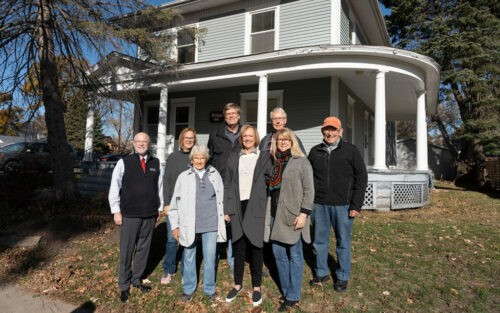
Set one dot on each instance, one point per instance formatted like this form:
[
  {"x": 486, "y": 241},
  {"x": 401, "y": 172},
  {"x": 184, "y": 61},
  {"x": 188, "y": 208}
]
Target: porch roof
[{"x": 355, "y": 65}]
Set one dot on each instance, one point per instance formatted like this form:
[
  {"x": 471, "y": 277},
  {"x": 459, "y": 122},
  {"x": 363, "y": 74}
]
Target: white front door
[{"x": 181, "y": 116}]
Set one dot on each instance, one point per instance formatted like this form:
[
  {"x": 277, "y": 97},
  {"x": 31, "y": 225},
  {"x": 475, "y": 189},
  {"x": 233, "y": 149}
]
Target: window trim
[
  {"x": 175, "y": 51},
  {"x": 350, "y": 123},
  {"x": 248, "y": 27},
  {"x": 271, "y": 94}
]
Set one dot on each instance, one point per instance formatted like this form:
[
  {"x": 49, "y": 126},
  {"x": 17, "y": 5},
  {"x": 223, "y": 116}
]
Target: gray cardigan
[
  {"x": 252, "y": 224},
  {"x": 297, "y": 191},
  {"x": 182, "y": 211}
]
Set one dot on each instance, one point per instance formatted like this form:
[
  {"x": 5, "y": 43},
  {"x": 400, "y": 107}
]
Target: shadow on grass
[
  {"x": 87, "y": 307},
  {"x": 57, "y": 223}
]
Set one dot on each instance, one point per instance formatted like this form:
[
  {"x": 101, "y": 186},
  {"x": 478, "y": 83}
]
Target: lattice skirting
[
  {"x": 369, "y": 201},
  {"x": 409, "y": 195}
]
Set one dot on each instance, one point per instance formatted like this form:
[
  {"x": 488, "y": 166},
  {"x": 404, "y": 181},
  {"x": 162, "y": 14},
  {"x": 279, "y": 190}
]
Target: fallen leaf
[
  {"x": 453, "y": 290},
  {"x": 386, "y": 293}
]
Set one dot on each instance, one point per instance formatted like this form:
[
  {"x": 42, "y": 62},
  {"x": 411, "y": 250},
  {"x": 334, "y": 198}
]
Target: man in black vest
[{"x": 136, "y": 199}]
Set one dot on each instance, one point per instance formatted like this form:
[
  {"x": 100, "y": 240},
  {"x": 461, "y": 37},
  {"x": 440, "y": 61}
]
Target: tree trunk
[{"x": 64, "y": 180}]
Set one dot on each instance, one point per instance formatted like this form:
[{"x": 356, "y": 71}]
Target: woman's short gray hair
[{"x": 199, "y": 150}]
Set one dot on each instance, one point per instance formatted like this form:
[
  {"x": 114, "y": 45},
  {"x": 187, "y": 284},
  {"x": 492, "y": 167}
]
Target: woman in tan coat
[{"x": 291, "y": 187}]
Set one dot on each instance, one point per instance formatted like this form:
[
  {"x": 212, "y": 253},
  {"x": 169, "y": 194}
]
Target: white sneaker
[{"x": 165, "y": 280}]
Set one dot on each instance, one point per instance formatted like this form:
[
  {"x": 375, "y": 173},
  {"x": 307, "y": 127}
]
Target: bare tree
[{"x": 39, "y": 31}]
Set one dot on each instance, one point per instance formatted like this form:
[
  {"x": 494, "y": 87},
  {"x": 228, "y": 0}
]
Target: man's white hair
[{"x": 276, "y": 110}]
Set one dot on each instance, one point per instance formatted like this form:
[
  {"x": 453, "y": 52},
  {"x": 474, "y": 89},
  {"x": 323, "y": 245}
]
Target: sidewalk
[{"x": 14, "y": 299}]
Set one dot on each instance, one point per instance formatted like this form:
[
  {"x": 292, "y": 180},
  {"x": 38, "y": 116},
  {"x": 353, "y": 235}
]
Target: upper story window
[
  {"x": 262, "y": 31},
  {"x": 186, "y": 45}
]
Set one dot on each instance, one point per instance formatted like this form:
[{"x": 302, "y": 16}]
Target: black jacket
[
  {"x": 220, "y": 148},
  {"x": 139, "y": 193},
  {"x": 252, "y": 224},
  {"x": 340, "y": 176}
]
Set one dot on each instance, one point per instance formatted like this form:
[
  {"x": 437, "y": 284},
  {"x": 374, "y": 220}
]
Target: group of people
[{"x": 246, "y": 192}]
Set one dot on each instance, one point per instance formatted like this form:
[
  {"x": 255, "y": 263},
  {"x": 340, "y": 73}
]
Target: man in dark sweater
[
  {"x": 278, "y": 121},
  {"x": 340, "y": 180},
  {"x": 136, "y": 199},
  {"x": 222, "y": 142}
]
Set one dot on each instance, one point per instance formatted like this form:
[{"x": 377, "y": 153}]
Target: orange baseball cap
[{"x": 333, "y": 122}]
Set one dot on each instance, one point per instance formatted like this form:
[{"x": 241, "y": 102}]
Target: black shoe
[
  {"x": 233, "y": 293},
  {"x": 319, "y": 280},
  {"x": 340, "y": 285},
  {"x": 214, "y": 296},
  {"x": 287, "y": 305},
  {"x": 143, "y": 288},
  {"x": 186, "y": 297},
  {"x": 256, "y": 298},
  {"x": 282, "y": 299},
  {"x": 124, "y": 295}
]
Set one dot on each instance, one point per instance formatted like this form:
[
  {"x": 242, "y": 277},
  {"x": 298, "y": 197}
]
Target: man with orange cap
[{"x": 340, "y": 180}]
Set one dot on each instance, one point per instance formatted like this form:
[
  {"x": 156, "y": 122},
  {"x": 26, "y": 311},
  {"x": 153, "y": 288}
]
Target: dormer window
[
  {"x": 262, "y": 31},
  {"x": 186, "y": 46}
]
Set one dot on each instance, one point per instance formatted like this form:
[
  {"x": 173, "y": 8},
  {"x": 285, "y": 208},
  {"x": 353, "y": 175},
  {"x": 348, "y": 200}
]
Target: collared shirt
[
  {"x": 116, "y": 185},
  {"x": 333, "y": 146},
  {"x": 246, "y": 169},
  {"x": 230, "y": 135}
]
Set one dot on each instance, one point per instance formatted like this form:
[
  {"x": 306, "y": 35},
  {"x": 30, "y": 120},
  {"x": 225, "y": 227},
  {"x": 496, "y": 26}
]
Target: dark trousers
[
  {"x": 135, "y": 233},
  {"x": 240, "y": 249}
]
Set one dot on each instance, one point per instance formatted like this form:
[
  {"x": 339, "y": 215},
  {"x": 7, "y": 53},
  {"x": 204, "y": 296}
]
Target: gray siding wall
[
  {"x": 224, "y": 37},
  {"x": 305, "y": 23},
  {"x": 306, "y": 102}
]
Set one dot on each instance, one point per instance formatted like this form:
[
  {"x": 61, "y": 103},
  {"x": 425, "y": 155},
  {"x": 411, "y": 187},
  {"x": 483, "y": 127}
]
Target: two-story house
[{"x": 314, "y": 58}]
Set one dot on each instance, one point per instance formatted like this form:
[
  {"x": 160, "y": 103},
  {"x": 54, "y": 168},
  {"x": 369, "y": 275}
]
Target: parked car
[
  {"x": 28, "y": 156},
  {"x": 110, "y": 158}
]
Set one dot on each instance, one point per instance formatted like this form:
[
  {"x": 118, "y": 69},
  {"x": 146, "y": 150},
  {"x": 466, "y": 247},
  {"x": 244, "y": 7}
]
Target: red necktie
[{"x": 143, "y": 163}]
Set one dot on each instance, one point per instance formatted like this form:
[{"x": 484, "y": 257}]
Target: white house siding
[
  {"x": 224, "y": 37},
  {"x": 344, "y": 24},
  {"x": 304, "y": 23}
]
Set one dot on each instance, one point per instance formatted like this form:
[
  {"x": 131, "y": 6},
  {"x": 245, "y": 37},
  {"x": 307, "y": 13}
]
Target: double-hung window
[
  {"x": 186, "y": 45},
  {"x": 263, "y": 31}
]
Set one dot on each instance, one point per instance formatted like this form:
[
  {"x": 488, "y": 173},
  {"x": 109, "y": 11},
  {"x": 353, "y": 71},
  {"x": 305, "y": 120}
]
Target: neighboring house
[
  {"x": 314, "y": 58},
  {"x": 439, "y": 159}
]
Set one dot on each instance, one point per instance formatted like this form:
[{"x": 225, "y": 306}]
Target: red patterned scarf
[{"x": 279, "y": 166}]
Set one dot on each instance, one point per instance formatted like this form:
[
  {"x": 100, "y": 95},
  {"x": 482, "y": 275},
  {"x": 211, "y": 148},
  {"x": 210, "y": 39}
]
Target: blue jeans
[
  {"x": 169, "y": 263},
  {"x": 337, "y": 216},
  {"x": 290, "y": 264},
  {"x": 209, "y": 243}
]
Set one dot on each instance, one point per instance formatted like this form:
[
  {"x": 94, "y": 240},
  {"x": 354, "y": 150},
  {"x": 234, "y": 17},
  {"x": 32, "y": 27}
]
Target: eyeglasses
[
  {"x": 330, "y": 129},
  {"x": 199, "y": 158},
  {"x": 278, "y": 119},
  {"x": 231, "y": 113},
  {"x": 141, "y": 141},
  {"x": 284, "y": 140},
  {"x": 189, "y": 138}
]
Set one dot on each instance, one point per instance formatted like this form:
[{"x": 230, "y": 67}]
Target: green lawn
[{"x": 442, "y": 258}]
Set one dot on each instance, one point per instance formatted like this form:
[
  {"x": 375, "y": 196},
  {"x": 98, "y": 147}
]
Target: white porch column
[
  {"x": 379, "y": 162},
  {"x": 262, "y": 106},
  {"x": 422, "y": 163},
  {"x": 162, "y": 126},
  {"x": 89, "y": 131}
]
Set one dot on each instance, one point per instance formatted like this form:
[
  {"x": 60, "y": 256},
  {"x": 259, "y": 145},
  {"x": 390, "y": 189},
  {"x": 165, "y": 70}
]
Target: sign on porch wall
[{"x": 216, "y": 116}]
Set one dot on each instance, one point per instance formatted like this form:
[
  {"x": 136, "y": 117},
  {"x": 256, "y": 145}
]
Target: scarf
[{"x": 279, "y": 166}]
